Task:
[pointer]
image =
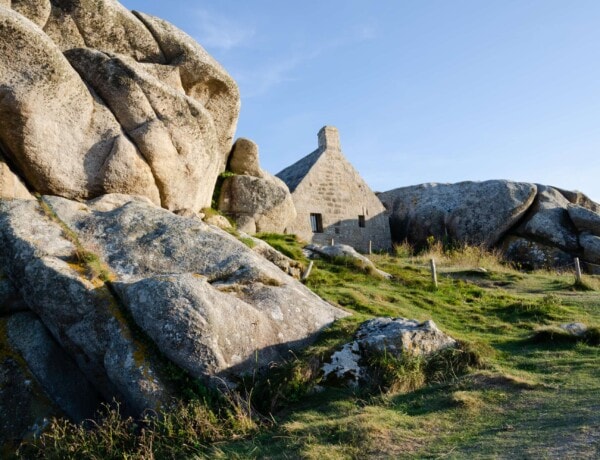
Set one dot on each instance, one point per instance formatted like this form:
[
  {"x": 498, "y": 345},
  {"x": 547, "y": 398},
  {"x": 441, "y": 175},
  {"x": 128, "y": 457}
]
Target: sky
[{"x": 420, "y": 90}]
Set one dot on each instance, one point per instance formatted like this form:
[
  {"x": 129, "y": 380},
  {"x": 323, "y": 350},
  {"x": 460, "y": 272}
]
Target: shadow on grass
[{"x": 434, "y": 398}]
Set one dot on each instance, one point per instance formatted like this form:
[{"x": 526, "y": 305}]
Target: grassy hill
[{"x": 535, "y": 392}]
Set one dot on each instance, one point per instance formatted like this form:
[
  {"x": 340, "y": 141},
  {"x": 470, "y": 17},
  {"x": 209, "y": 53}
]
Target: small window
[
  {"x": 361, "y": 221},
  {"x": 316, "y": 222}
]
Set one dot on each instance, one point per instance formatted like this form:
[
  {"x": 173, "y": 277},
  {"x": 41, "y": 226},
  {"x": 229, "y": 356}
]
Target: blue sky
[{"x": 421, "y": 91}]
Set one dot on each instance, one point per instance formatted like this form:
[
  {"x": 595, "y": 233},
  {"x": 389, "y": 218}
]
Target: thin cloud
[
  {"x": 266, "y": 77},
  {"x": 272, "y": 74},
  {"x": 217, "y": 32}
]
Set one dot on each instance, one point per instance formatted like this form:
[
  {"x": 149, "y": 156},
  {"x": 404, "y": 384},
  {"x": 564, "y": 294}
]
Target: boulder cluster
[
  {"x": 536, "y": 226},
  {"x": 114, "y": 129},
  {"x": 257, "y": 201}
]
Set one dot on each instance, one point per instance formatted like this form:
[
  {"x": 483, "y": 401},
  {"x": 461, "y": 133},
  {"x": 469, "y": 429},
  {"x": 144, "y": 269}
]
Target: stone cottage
[{"x": 332, "y": 200}]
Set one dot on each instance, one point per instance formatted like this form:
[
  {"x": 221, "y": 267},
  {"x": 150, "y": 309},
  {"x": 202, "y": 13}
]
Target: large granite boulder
[
  {"x": 81, "y": 313},
  {"x": 477, "y": 213},
  {"x": 244, "y": 158},
  {"x": 95, "y": 99},
  {"x": 257, "y": 204},
  {"x": 100, "y": 274},
  {"x": 548, "y": 220},
  {"x": 584, "y": 219},
  {"x": 535, "y": 226},
  {"x": 255, "y": 199}
]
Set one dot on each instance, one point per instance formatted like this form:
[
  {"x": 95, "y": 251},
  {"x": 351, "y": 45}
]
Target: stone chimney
[{"x": 329, "y": 138}]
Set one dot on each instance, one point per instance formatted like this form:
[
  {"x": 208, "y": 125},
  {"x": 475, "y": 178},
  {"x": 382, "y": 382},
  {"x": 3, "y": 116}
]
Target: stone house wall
[{"x": 335, "y": 190}]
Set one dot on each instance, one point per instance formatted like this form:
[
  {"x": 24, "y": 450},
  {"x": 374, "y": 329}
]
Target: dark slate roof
[{"x": 293, "y": 175}]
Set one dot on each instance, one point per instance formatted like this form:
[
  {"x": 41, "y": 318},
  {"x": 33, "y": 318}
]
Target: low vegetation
[{"x": 518, "y": 386}]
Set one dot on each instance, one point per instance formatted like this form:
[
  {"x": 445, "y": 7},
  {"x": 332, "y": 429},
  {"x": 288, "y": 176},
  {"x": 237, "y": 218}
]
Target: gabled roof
[{"x": 294, "y": 174}]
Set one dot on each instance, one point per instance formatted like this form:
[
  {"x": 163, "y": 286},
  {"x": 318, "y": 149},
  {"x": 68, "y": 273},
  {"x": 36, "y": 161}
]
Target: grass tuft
[
  {"x": 180, "y": 431},
  {"x": 408, "y": 372}
]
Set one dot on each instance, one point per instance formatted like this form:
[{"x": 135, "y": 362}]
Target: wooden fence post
[
  {"x": 370, "y": 247},
  {"x": 306, "y": 274},
  {"x": 577, "y": 271},
  {"x": 433, "y": 273}
]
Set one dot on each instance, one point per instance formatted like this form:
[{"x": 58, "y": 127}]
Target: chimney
[{"x": 329, "y": 138}]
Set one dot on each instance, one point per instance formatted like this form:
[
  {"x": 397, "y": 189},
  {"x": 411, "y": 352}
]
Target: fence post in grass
[
  {"x": 433, "y": 273},
  {"x": 370, "y": 247},
  {"x": 306, "y": 274},
  {"x": 577, "y": 271}
]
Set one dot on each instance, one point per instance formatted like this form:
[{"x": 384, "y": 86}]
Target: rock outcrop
[
  {"x": 536, "y": 226},
  {"x": 116, "y": 277},
  {"x": 396, "y": 337},
  {"x": 548, "y": 220},
  {"x": 114, "y": 127},
  {"x": 477, "y": 213},
  {"x": 95, "y": 99},
  {"x": 255, "y": 199}
]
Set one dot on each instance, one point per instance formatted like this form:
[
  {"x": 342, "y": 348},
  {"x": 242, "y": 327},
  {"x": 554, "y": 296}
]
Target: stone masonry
[{"x": 333, "y": 201}]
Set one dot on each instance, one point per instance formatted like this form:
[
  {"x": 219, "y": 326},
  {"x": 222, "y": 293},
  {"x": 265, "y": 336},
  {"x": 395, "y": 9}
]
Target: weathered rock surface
[
  {"x": 58, "y": 375},
  {"x": 198, "y": 327},
  {"x": 584, "y": 219},
  {"x": 244, "y": 158},
  {"x": 393, "y": 336},
  {"x": 10, "y": 301},
  {"x": 24, "y": 407},
  {"x": 580, "y": 199},
  {"x": 218, "y": 220},
  {"x": 591, "y": 248},
  {"x": 10, "y": 184},
  {"x": 257, "y": 204},
  {"x": 477, "y": 213},
  {"x": 533, "y": 255},
  {"x": 344, "y": 251},
  {"x": 548, "y": 220},
  {"x": 137, "y": 108},
  {"x": 255, "y": 199},
  {"x": 81, "y": 314},
  {"x": 207, "y": 301}
]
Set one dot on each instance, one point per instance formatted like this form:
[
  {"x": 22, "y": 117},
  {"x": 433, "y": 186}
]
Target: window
[
  {"x": 316, "y": 222},
  {"x": 361, "y": 221}
]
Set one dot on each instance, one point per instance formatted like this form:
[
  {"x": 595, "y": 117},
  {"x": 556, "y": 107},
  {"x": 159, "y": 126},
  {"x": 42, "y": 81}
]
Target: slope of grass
[{"x": 534, "y": 398}]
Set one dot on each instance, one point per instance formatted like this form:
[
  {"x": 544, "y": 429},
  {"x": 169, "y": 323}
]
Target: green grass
[
  {"x": 288, "y": 245},
  {"x": 518, "y": 387}
]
